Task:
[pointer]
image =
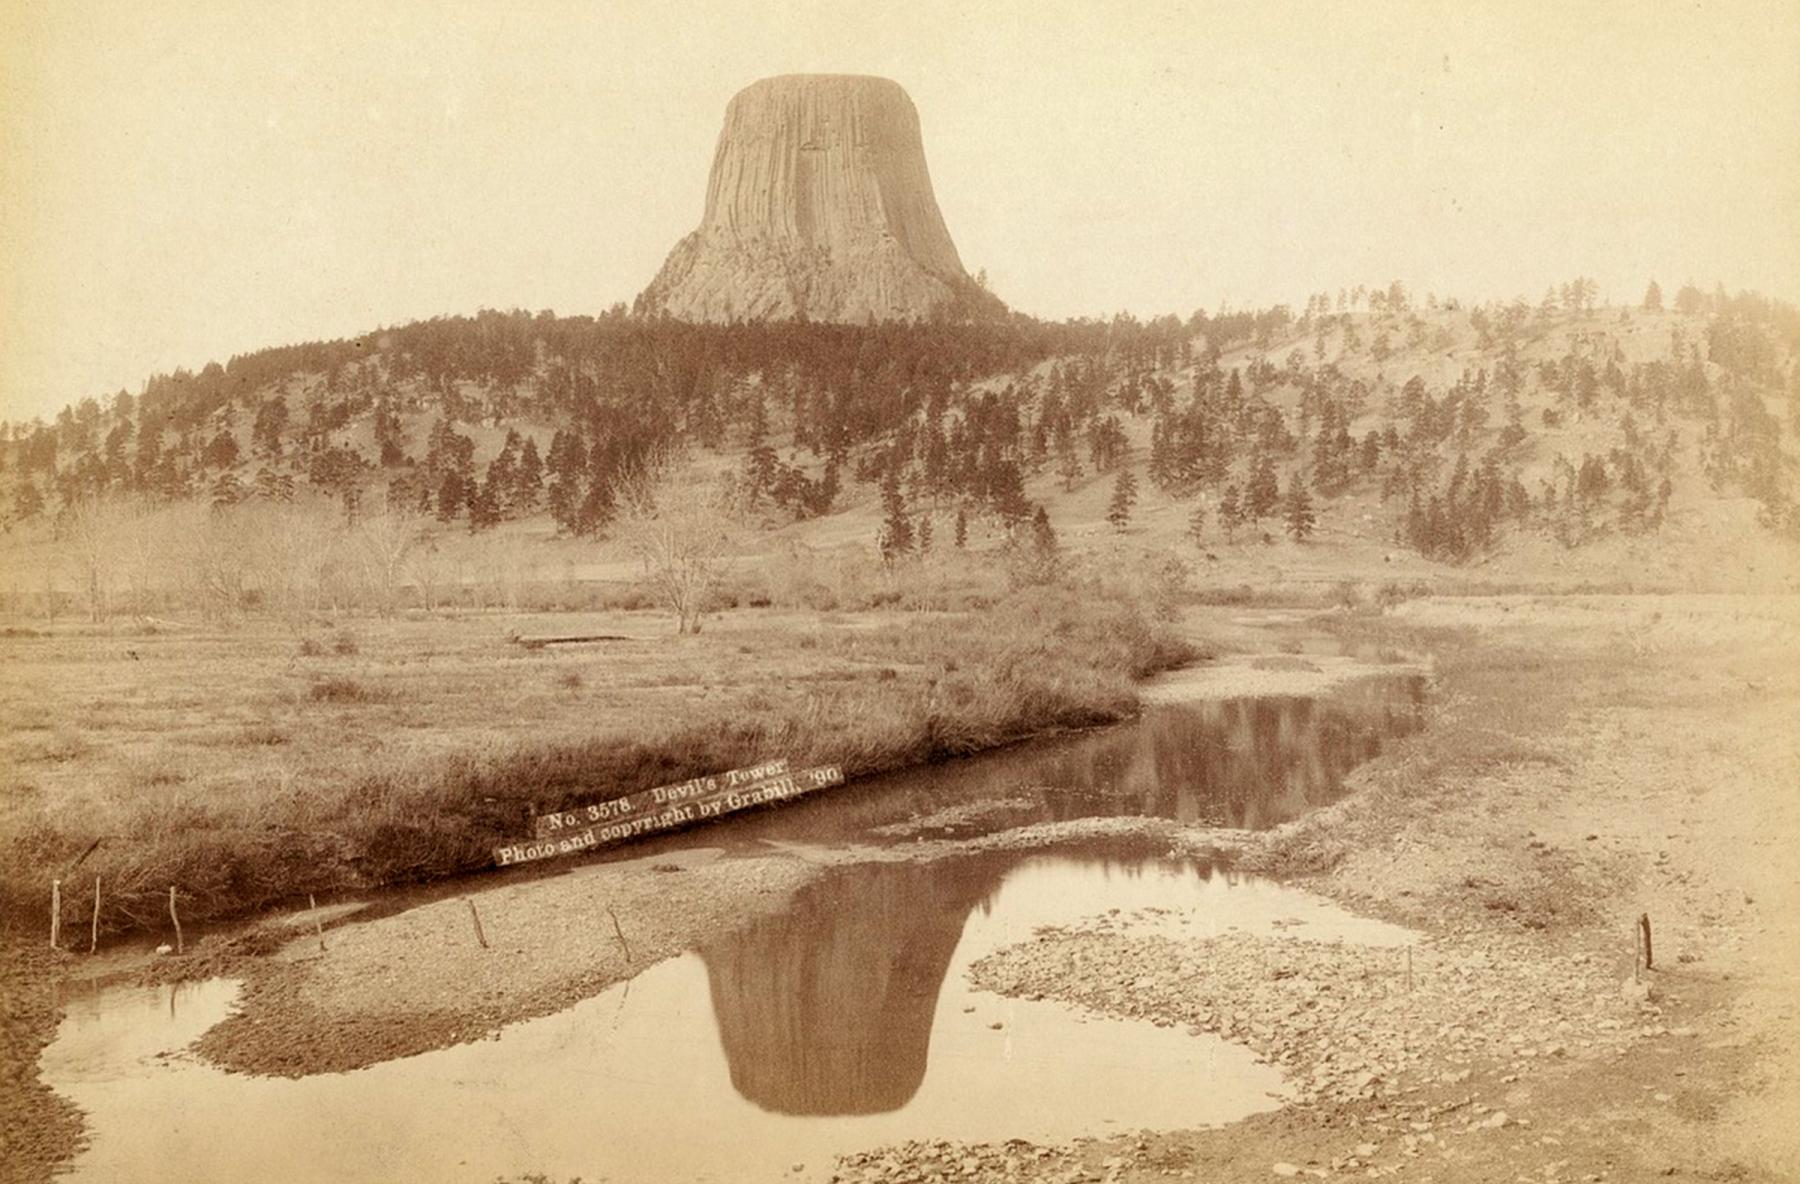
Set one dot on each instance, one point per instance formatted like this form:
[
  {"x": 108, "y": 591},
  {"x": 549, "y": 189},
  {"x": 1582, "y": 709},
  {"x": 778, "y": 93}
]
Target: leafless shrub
[
  {"x": 682, "y": 525},
  {"x": 385, "y": 544}
]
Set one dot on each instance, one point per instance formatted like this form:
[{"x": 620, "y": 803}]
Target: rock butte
[{"x": 819, "y": 205}]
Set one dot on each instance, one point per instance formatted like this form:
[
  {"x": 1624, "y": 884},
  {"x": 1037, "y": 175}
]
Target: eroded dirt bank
[
  {"x": 38, "y": 1128},
  {"x": 1591, "y": 760}
]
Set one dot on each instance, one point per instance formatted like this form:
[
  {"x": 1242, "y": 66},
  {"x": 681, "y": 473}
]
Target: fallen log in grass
[{"x": 538, "y": 643}]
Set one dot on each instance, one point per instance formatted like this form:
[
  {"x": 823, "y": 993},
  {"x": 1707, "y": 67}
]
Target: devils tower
[{"x": 819, "y": 205}]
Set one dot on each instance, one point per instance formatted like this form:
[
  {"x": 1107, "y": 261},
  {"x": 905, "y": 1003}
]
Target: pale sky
[{"x": 182, "y": 180}]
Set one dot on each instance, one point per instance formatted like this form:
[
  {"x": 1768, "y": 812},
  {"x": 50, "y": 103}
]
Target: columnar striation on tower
[{"x": 819, "y": 205}]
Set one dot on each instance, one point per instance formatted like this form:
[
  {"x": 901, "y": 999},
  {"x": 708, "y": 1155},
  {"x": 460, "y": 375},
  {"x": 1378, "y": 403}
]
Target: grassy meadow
[{"x": 256, "y": 761}]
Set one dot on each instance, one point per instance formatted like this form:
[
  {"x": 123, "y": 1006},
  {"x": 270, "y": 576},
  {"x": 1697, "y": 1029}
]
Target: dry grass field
[{"x": 261, "y": 762}]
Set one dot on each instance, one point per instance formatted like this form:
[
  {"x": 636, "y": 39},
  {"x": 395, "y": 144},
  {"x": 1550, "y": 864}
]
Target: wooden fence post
[
  {"x": 1644, "y": 929},
  {"x": 94, "y": 927},
  {"x": 620, "y": 932},
  {"x": 55, "y": 912},
  {"x": 180, "y": 945},
  {"x": 476, "y": 917}
]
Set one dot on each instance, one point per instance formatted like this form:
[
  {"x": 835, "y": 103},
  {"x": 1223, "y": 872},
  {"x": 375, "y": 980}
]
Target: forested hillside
[{"x": 1422, "y": 424}]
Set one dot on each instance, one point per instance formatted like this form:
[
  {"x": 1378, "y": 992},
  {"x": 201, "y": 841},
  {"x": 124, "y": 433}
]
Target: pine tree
[
  {"x": 896, "y": 538},
  {"x": 1118, "y": 511},
  {"x": 1033, "y": 556},
  {"x": 923, "y": 533},
  {"x": 390, "y": 440},
  {"x": 1106, "y": 443},
  {"x": 226, "y": 490},
  {"x": 265, "y": 432},
  {"x": 1032, "y": 551},
  {"x": 28, "y": 503},
  {"x": 961, "y": 537},
  {"x": 221, "y": 452},
  {"x": 1265, "y": 488},
  {"x": 484, "y": 506},
  {"x": 528, "y": 479},
  {"x": 1043, "y": 535},
  {"x": 452, "y": 494},
  {"x": 568, "y": 460},
  {"x": 595, "y": 512},
  {"x": 1297, "y": 509},
  {"x": 1653, "y": 297},
  {"x": 1197, "y": 524},
  {"x": 1068, "y": 463},
  {"x": 1231, "y": 512}
]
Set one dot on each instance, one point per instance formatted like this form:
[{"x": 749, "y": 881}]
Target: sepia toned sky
[{"x": 188, "y": 179}]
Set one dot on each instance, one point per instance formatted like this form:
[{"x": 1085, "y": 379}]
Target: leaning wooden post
[
  {"x": 1637, "y": 955},
  {"x": 55, "y": 912},
  {"x": 180, "y": 946},
  {"x": 1644, "y": 930},
  {"x": 318, "y": 929},
  {"x": 94, "y": 927},
  {"x": 621, "y": 933},
  {"x": 476, "y": 917}
]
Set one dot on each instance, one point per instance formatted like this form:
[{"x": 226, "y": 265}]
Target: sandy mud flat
[
  {"x": 1243, "y": 676},
  {"x": 1590, "y": 760}
]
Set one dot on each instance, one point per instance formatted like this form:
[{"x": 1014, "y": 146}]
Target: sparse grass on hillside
[{"x": 245, "y": 770}]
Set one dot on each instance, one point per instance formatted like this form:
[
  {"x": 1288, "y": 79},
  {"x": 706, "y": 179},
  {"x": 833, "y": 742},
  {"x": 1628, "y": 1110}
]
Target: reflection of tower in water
[{"x": 827, "y": 1007}]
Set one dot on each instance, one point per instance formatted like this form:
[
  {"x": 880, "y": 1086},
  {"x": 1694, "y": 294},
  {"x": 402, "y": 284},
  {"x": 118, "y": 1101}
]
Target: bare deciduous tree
[
  {"x": 385, "y": 543},
  {"x": 682, "y": 525},
  {"x": 295, "y": 542},
  {"x": 215, "y": 554},
  {"x": 429, "y": 572},
  {"x": 94, "y": 529}
]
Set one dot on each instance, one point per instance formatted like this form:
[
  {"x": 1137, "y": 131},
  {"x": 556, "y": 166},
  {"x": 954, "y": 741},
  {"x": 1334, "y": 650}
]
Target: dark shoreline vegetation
[{"x": 922, "y": 688}]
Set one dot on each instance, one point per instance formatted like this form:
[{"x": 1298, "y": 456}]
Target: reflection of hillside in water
[
  {"x": 1252, "y": 762},
  {"x": 1249, "y": 763},
  {"x": 826, "y": 1008}
]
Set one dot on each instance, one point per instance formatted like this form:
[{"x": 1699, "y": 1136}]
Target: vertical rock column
[{"x": 819, "y": 205}]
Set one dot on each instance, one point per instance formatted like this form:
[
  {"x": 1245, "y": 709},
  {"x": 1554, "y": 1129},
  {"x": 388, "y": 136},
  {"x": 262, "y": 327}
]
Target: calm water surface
[{"x": 842, "y": 1024}]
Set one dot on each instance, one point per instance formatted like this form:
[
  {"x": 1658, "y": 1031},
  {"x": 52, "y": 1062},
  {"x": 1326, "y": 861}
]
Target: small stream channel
[{"x": 843, "y": 1022}]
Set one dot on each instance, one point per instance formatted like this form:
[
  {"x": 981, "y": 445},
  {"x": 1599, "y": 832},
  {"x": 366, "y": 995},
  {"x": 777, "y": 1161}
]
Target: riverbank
[
  {"x": 1590, "y": 760},
  {"x": 38, "y": 1128},
  {"x": 252, "y": 767},
  {"x": 1574, "y": 775}
]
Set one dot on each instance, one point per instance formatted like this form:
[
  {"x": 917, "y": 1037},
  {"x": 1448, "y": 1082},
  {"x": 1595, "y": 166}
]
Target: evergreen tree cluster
[{"x": 943, "y": 414}]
